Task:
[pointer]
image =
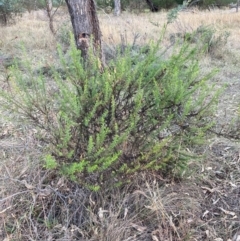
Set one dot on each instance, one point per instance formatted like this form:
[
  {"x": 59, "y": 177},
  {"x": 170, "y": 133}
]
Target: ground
[{"x": 202, "y": 205}]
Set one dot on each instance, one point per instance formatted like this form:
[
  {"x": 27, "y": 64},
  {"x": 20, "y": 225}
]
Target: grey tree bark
[
  {"x": 86, "y": 27},
  {"x": 117, "y": 7}
]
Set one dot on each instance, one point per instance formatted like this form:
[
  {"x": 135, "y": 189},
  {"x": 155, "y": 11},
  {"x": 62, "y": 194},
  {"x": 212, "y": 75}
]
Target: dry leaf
[
  {"x": 140, "y": 192},
  {"x": 172, "y": 224},
  {"x": 4, "y": 210},
  {"x": 227, "y": 212},
  {"x": 205, "y": 213},
  {"x": 227, "y": 148},
  {"x": 125, "y": 212},
  {"x": 44, "y": 192},
  {"x": 215, "y": 201},
  {"x": 232, "y": 184},
  {"x": 138, "y": 227},
  {"x": 154, "y": 238},
  {"x": 28, "y": 186},
  {"x": 101, "y": 212},
  {"x": 131, "y": 238},
  {"x": 58, "y": 227},
  {"x": 92, "y": 203},
  {"x": 209, "y": 189},
  {"x": 190, "y": 220},
  {"x": 23, "y": 171},
  {"x": 60, "y": 182}
]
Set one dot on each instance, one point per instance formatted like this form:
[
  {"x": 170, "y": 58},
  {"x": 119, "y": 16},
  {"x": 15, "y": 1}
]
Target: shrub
[
  {"x": 208, "y": 3},
  {"x": 105, "y": 3},
  {"x": 39, "y": 4},
  {"x": 63, "y": 36},
  {"x": 8, "y": 10},
  {"x": 206, "y": 38},
  {"x": 140, "y": 113}
]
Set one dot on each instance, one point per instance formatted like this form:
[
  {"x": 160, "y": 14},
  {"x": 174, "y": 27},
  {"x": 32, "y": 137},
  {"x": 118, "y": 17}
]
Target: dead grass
[
  {"x": 37, "y": 205},
  {"x": 32, "y": 30},
  {"x": 149, "y": 25}
]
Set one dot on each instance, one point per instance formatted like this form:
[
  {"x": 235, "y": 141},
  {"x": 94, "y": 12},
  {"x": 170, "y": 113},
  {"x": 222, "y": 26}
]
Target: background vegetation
[{"x": 11, "y": 8}]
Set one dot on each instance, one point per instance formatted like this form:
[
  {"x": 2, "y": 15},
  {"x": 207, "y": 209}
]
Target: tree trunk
[
  {"x": 117, "y": 7},
  {"x": 193, "y": 2},
  {"x": 86, "y": 27},
  {"x": 49, "y": 7},
  {"x": 152, "y": 6},
  {"x": 234, "y": 5}
]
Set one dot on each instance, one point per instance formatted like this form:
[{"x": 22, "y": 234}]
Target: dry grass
[
  {"x": 35, "y": 205},
  {"x": 32, "y": 30}
]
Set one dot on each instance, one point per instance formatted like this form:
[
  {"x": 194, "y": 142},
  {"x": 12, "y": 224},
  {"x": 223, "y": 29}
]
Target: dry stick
[
  {"x": 15, "y": 194},
  {"x": 7, "y": 170},
  {"x": 4, "y": 210},
  {"x": 50, "y": 16},
  {"x": 49, "y": 9}
]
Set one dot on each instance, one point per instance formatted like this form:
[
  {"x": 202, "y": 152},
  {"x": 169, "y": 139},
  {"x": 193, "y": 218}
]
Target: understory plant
[
  {"x": 140, "y": 113},
  {"x": 9, "y": 9}
]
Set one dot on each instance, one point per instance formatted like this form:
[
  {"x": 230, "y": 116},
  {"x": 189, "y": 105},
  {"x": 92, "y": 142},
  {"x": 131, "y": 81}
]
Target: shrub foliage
[
  {"x": 140, "y": 113},
  {"x": 8, "y": 10}
]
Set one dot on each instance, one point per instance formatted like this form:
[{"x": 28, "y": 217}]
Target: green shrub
[
  {"x": 206, "y": 38},
  {"x": 8, "y": 10},
  {"x": 63, "y": 36},
  {"x": 31, "y": 5},
  {"x": 140, "y": 113},
  {"x": 104, "y": 3},
  {"x": 166, "y": 4},
  {"x": 208, "y": 3},
  {"x": 39, "y": 4},
  {"x": 139, "y": 5}
]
